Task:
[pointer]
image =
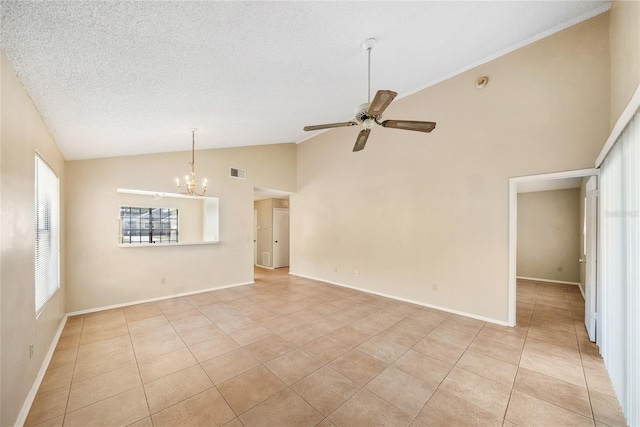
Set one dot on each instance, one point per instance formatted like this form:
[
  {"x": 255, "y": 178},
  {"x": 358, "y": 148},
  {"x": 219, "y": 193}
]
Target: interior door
[
  {"x": 589, "y": 256},
  {"x": 280, "y": 237},
  {"x": 255, "y": 237}
]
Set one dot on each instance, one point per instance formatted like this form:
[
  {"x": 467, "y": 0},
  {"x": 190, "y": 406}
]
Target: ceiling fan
[{"x": 370, "y": 113}]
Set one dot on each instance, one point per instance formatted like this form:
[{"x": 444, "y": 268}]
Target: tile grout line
[
  {"x": 524, "y": 343},
  {"x": 135, "y": 355}
]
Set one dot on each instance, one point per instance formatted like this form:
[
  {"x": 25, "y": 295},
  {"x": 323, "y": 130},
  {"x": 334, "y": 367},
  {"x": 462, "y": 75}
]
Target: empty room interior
[{"x": 189, "y": 235}]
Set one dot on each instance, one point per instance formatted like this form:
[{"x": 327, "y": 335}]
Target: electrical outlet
[
  {"x": 335, "y": 269},
  {"x": 163, "y": 280},
  {"x": 30, "y": 351},
  {"x": 435, "y": 286},
  {"x": 560, "y": 269},
  {"x": 355, "y": 273}
]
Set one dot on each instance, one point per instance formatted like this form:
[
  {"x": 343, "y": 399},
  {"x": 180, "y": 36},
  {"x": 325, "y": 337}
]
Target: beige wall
[
  {"x": 23, "y": 133},
  {"x": 549, "y": 235},
  {"x": 625, "y": 54},
  {"x": 99, "y": 273},
  {"x": 414, "y": 209},
  {"x": 264, "y": 209}
]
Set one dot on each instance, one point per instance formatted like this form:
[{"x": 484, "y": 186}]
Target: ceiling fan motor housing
[{"x": 360, "y": 114}]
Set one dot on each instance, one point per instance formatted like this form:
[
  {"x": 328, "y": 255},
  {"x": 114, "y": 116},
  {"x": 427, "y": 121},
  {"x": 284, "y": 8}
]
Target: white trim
[
  {"x": 560, "y": 282},
  {"x": 264, "y": 266},
  {"x": 126, "y": 304},
  {"x": 621, "y": 124},
  {"x": 513, "y": 226},
  {"x": 448, "y": 310},
  {"x": 26, "y": 406},
  {"x": 584, "y": 297},
  {"x": 167, "y": 244},
  {"x": 513, "y": 251}
]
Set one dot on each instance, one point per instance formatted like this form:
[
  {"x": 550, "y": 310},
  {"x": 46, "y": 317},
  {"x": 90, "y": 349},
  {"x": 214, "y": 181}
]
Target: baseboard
[
  {"x": 126, "y": 304},
  {"x": 264, "y": 266},
  {"x": 448, "y": 310},
  {"x": 26, "y": 407},
  {"x": 561, "y": 282}
]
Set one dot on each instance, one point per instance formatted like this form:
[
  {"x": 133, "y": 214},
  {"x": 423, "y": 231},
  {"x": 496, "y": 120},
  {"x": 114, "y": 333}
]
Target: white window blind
[
  {"x": 619, "y": 271},
  {"x": 47, "y": 234}
]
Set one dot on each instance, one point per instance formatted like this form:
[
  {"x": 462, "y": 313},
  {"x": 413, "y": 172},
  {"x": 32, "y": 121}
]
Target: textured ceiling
[{"x": 120, "y": 78}]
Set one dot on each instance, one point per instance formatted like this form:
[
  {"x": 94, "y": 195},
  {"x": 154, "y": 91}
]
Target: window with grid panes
[{"x": 148, "y": 225}]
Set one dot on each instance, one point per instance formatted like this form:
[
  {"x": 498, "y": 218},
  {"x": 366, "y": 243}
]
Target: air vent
[{"x": 237, "y": 173}]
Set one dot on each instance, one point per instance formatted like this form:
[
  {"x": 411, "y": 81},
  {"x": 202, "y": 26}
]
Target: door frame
[
  {"x": 513, "y": 226},
  {"x": 255, "y": 237},
  {"x": 591, "y": 257}
]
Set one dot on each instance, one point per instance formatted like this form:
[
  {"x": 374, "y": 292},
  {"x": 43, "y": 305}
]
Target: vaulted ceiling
[{"x": 127, "y": 77}]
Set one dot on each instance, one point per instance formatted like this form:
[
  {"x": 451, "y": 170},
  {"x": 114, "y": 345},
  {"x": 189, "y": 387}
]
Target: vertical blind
[
  {"x": 47, "y": 234},
  {"x": 619, "y": 274}
]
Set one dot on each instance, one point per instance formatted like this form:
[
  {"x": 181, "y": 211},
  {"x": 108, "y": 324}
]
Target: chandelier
[{"x": 190, "y": 180}]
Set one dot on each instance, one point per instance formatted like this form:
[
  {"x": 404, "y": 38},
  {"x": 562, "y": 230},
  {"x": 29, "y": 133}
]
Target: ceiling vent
[{"x": 237, "y": 173}]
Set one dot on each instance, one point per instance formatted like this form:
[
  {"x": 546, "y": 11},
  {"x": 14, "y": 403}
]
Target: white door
[
  {"x": 280, "y": 238},
  {"x": 589, "y": 256},
  {"x": 255, "y": 237}
]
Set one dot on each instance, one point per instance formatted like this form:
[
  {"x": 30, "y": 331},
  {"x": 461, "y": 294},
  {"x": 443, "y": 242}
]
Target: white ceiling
[{"x": 119, "y": 78}]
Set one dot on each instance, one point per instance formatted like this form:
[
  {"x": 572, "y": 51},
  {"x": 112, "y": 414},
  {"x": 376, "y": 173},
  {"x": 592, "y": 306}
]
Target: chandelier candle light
[{"x": 190, "y": 181}]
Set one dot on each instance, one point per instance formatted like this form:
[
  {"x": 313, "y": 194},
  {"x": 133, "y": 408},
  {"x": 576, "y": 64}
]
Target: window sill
[{"x": 155, "y": 245}]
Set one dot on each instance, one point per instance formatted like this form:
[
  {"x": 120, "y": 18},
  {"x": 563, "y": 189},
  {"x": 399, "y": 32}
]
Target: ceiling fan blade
[
  {"x": 362, "y": 140},
  {"x": 380, "y": 102},
  {"x": 329, "y": 126},
  {"x": 409, "y": 125}
]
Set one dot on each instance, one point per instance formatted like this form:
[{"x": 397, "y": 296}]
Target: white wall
[
  {"x": 23, "y": 133},
  {"x": 549, "y": 235},
  {"x": 101, "y": 274},
  {"x": 414, "y": 209}
]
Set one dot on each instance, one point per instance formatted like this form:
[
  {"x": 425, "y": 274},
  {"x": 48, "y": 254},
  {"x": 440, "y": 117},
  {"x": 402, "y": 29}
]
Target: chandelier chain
[{"x": 190, "y": 181}]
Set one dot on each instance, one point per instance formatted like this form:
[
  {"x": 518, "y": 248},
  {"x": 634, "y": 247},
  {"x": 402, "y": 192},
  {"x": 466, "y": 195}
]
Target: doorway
[
  {"x": 271, "y": 243},
  {"x": 542, "y": 183}
]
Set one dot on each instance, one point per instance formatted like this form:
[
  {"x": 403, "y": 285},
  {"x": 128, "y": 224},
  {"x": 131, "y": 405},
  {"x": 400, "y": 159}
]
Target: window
[
  {"x": 148, "y": 225},
  {"x": 47, "y": 233}
]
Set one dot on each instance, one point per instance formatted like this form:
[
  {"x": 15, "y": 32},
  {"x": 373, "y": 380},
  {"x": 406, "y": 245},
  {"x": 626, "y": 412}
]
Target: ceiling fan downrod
[{"x": 368, "y": 45}]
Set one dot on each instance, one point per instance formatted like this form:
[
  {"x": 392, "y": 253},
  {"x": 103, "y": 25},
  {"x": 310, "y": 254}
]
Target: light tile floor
[{"x": 289, "y": 351}]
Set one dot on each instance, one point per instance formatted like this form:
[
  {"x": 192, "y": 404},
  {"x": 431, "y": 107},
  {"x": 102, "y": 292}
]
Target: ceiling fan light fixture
[{"x": 369, "y": 123}]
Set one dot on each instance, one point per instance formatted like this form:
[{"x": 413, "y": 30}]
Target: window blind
[
  {"x": 47, "y": 234},
  {"x": 618, "y": 272}
]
